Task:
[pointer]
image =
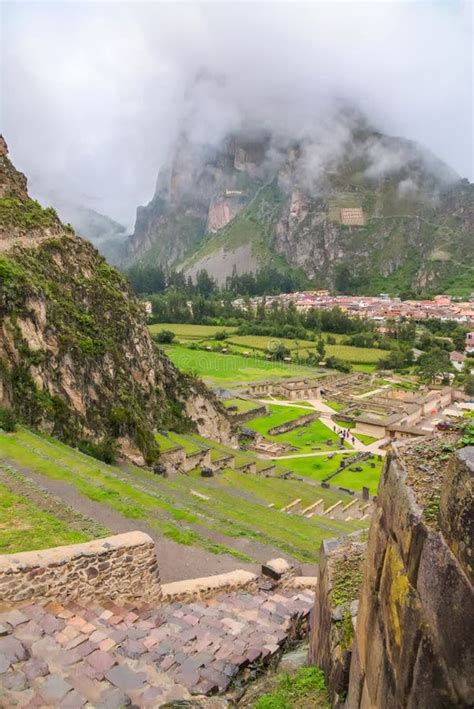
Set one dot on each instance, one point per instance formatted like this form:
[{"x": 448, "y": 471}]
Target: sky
[{"x": 95, "y": 94}]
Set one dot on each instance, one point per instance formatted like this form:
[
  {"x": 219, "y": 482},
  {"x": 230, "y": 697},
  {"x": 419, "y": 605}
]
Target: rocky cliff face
[
  {"x": 396, "y": 629},
  {"x": 76, "y": 358},
  {"x": 392, "y": 215}
]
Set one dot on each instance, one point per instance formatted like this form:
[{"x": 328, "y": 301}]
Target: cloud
[{"x": 95, "y": 94}]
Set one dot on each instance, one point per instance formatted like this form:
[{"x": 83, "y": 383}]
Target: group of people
[{"x": 344, "y": 433}]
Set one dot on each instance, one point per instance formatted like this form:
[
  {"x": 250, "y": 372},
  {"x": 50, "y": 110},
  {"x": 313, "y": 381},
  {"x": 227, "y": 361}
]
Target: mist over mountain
[
  {"x": 343, "y": 204},
  {"x": 94, "y": 102}
]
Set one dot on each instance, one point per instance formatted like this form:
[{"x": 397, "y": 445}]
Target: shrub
[
  {"x": 339, "y": 364},
  {"x": 104, "y": 450},
  {"x": 164, "y": 337},
  {"x": 7, "y": 419}
]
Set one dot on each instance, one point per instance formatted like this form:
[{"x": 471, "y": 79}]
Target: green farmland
[
  {"x": 188, "y": 331},
  {"x": 231, "y": 370}
]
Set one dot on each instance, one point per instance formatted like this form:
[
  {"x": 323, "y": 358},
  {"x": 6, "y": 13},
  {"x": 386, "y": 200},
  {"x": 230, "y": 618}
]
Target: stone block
[
  {"x": 277, "y": 568},
  {"x": 448, "y": 608}
]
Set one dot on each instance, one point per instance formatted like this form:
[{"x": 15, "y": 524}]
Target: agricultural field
[
  {"x": 189, "y": 331},
  {"x": 231, "y": 370},
  {"x": 230, "y": 515},
  {"x": 355, "y": 355}
]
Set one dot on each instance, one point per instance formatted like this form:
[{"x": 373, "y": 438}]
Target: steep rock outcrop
[
  {"x": 76, "y": 358},
  {"x": 412, "y": 645},
  {"x": 378, "y": 209}
]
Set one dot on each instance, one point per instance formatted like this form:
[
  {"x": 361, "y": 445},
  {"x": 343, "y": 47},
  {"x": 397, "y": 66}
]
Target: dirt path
[{"x": 176, "y": 561}]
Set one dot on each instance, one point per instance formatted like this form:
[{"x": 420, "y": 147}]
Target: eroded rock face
[
  {"x": 330, "y": 211},
  {"x": 413, "y": 640},
  {"x": 76, "y": 357}
]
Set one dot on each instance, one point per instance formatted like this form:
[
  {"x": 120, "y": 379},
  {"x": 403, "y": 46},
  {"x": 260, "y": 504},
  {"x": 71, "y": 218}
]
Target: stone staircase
[
  {"x": 109, "y": 655},
  {"x": 355, "y": 509}
]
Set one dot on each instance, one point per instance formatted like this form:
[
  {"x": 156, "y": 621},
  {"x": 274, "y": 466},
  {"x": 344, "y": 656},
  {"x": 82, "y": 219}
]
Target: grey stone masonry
[{"x": 121, "y": 567}]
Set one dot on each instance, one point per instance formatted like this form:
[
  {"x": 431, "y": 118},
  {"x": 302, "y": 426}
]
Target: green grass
[
  {"x": 366, "y": 440},
  {"x": 304, "y": 688},
  {"x": 231, "y": 369},
  {"x": 335, "y": 405},
  {"x": 345, "y": 424},
  {"x": 243, "y": 405},
  {"x": 355, "y": 355},
  {"x": 277, "y": 415},
  {"x": 304, "y": 438},
  {"x": 317, "y": 467},
  {"x": 368, "y": 477},
  {"x": 24, "y": 526},
  {"x": 238, "y": 507},
  {"x": 320, "y": 467},
  {"x": 166, "y": 443}
]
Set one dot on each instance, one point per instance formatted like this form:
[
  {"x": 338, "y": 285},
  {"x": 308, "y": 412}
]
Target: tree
[
  {"x": 205, "y": 285},
  {"x": 7, "y": 420},
  {"x": 433, "y": 363},
  {"x": 469, "y": 385},
  {"x": 279, "y": 351},
  {"x": 339, "y": 364},
  {"x": 321, "y": 348}
]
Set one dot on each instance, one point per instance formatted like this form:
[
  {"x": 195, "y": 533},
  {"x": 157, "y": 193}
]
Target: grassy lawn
[
  {"x": 368, "y": 477},
  {"x": 356, "y": 355},
  {"x": 276, "y": 416},
  {"x": 237, "y": 508},
  {"x": 313, "y": 435},
  {"x": 320, "y": 467},
  {"x": 242, "y": 405},
  {"x": 166, "y": 443},
  {"x": 345, "y": 424},
  {"x": 263, "y": 342},
  {"x": 316, "y": 468},
  {"x": 358, "y": 367},
  {"x": 335, "y": 405},
  {"x": 231, "y": 369},
  {"x": 366, "y": 440},
  {"x": 304, "y": 438},
  {"x": 24, "y": 526}
]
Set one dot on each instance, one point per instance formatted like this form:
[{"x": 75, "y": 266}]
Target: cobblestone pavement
[{"x": 112, "y": 656}]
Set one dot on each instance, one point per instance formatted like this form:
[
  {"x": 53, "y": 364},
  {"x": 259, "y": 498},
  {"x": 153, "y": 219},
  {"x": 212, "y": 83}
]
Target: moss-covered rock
[{"x": 76, "y": 357}]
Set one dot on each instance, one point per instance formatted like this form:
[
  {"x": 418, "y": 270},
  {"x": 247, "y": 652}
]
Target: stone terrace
[{"x": 110, "y": 656}]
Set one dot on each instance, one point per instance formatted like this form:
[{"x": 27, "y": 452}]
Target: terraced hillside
[{"x": 229, "y": 520}]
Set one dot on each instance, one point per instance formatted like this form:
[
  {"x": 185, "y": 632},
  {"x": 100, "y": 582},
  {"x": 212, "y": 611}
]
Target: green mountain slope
[{"x": 76, "y": 358}]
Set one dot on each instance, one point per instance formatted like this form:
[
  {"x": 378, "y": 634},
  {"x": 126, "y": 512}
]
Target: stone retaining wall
[
  {"x": 295, "y": 423},
  {"x": 335, "y": 610},
  {"x": 121, "y": 567},
  {"x": 245, "y": 416}
]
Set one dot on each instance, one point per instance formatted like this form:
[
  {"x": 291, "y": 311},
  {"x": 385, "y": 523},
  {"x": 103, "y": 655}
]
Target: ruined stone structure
[
  {"x": 122, "y": 567},
  {"x": 411, "y": 645},
  {"x": 294, "y": 423}
]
